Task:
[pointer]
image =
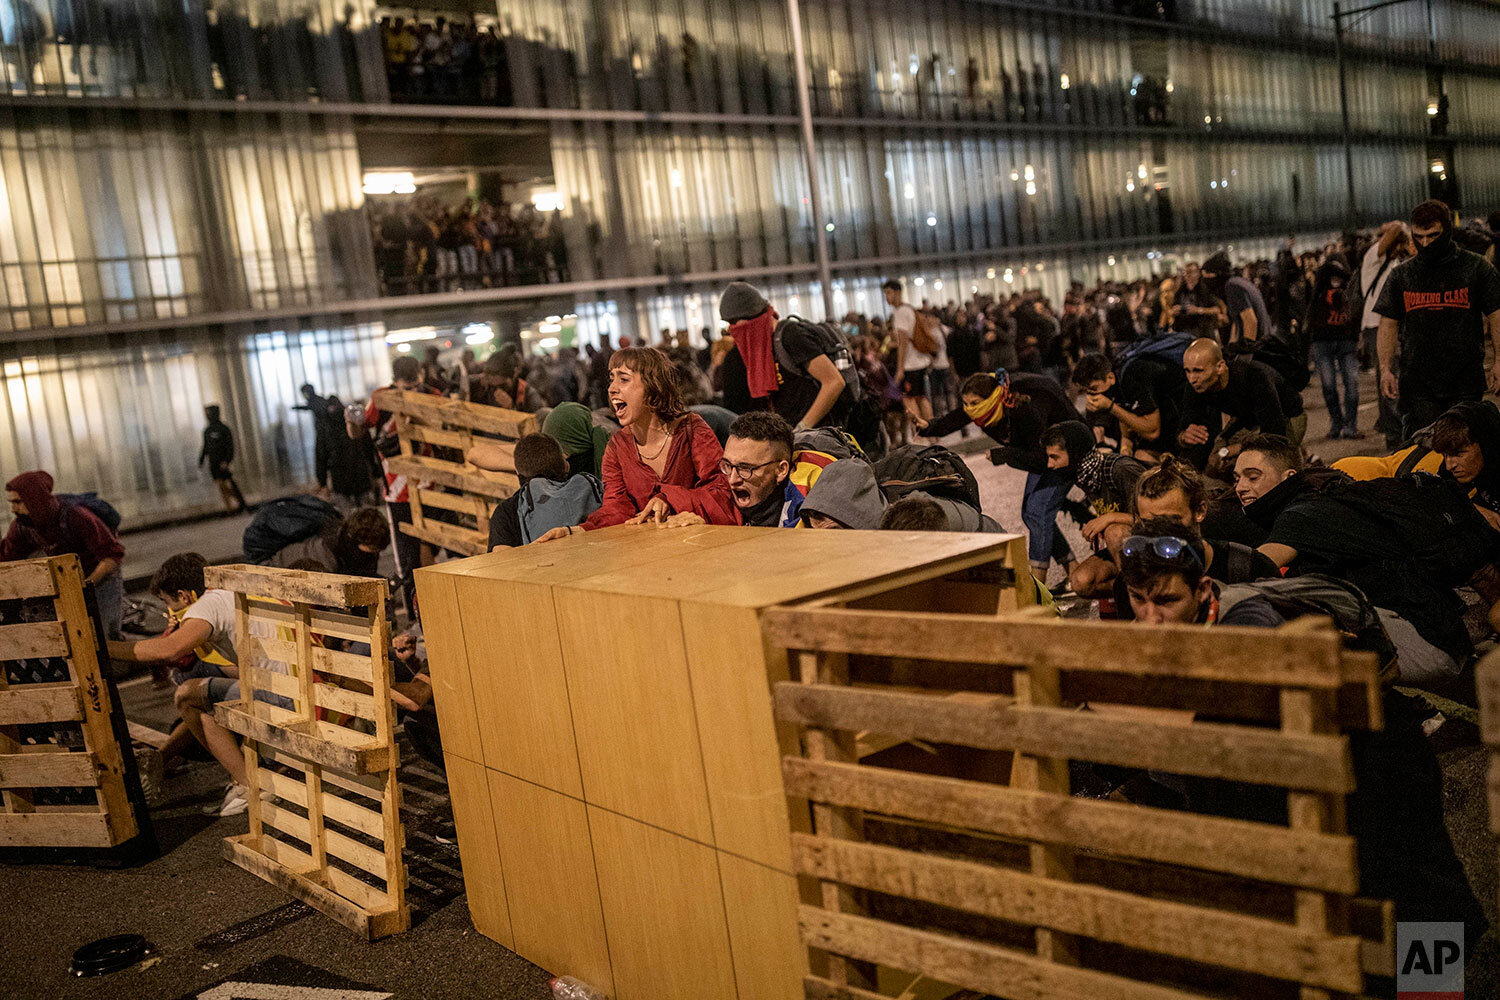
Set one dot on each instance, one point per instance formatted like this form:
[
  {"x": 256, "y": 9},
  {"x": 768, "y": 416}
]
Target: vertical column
[{"x": 810, "y": 153}]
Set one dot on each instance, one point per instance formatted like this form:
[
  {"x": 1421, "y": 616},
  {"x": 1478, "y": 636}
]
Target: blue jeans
[
  {"x": 1339, "y": 360},
  {"x": 1042, "y": 499}
]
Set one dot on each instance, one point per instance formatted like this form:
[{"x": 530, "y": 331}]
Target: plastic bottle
[{"x": 568, "y": 988}]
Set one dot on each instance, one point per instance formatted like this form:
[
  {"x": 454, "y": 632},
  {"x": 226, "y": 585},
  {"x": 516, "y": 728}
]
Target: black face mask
[{"x": 1437, "y": 249}]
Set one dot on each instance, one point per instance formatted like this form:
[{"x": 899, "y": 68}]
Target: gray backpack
[{"x": 549, "y": 503}]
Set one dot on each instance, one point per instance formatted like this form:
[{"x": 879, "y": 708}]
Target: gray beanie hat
[{"x": 741, "y": 301}]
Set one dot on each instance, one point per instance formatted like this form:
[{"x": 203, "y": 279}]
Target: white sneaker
[{"x": 236, "y": 801}]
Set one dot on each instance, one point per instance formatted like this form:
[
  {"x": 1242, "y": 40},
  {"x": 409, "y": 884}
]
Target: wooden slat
[
  {"x": 818, "y": 988},
  {"x": 290, "y": 789},
  {"x": 357, "y": 817},
  {"x": 1227, "y": 654},
  {"x": 145, "y": 734},
  {"x": 360, "y": 893},
  {"x": 48, "y": 770},
  {"x": 26, "y": 578},
  {"x": 367, "y": 785},
  {"x": 1212, "y": 750},
  {"x": 286, "y": 821},
  {"x": 1195, "y": 933},
  {"x": 470, "y": 479},
  {"x": 276, "y": 650},
  {"x": 987, "y": 968},
  {"x": 1234, "y": 847},
  {"x": 246, "y": 852},
  {"x": 340, "y": 625},
  {"x": 302, "y": 743},
  {"x": 277, "y": 683},
  {"x": 480, "y": 417},
  {"x": 332, "y": 661},
  {"x": 32, "y": 640},
  {"x": 53, "y": 829},
  {"x": 22, "y": 704},
  {"x": 460, "y": 503},
  {"x": 461, "y": 440},
  {"x": 464, "y": 541},
  {"x": 1487, "y": 684},
  {"x": 340, "y": 700},
  {"x": 297, "y": 585},
  {"x": 355, "y": 853}
]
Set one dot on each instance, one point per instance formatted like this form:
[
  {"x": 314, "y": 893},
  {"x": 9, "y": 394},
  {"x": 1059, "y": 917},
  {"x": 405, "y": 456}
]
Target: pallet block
[
  {"x": 329, "y": 831},
  {"x": 605, "y": 707},
  {"x": 1008, "y": 884},
  {"x": 82, "y": 701},
  {"x": 1487, "y": 678},
  {"x": 435, "y": 433}
]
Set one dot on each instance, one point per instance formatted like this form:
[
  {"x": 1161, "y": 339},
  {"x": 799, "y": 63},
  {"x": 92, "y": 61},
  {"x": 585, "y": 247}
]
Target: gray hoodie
[
  {"x": 961, "y": 517},
  {"x": 848, "y": 493}
]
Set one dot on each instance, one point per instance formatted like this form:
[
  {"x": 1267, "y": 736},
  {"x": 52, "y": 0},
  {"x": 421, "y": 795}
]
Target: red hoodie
[
  {"x": 691, "y": 482},
  {"x": 52, "y": 528}
]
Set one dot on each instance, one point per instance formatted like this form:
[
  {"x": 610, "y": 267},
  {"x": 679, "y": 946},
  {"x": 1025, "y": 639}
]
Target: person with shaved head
[{"x": 1229, "y": 398}]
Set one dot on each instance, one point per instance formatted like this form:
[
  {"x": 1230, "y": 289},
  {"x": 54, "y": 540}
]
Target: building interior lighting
[
  {"x": 1029, "y": 173},
  {"x": 403, "y": 348},
  {"x": 1064, "y": 83},
  {"x": 829, "y": 227},
  {"x": 1130, "y": 186},
  {"x": 478, "y": 333},
  {"x": 1031, "y": 187},
  {"x": 410, "y": 334},
  {"x": 1438, "y": 167},
  {"x": 990, "y": 274},
  {"x": 919, "y": 281},
  {"x": 548, "y": 343},
  {"x": 1140, "y": 171},
  {"x": 932, "y": 220},
  {"x": 1432, "y": 107},
  {"x": 549, "y": 328},
  {"x": 1111, "y": 260},
  {"x": 547, "y": 200},
  {"x": 937, "y": 285},
  {"x": 390, "y": 182}
]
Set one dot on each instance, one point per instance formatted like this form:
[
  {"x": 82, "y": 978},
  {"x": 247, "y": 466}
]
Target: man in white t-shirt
[
  {"x": 206, "y": 628},
  {"x": 915, "y": 367}
]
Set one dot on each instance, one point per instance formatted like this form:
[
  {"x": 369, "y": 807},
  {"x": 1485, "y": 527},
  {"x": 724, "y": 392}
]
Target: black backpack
[
  {"x": 831, "y": 341},
  {"x": 1432, "y": 521},
  {"x": 96, "y": 505},
  {"x": 1276, "y": 354},
  {"x": 1317, "y": 594},
  {"x": 285, "y": 522},
  {"x": 931, "y": 469}
]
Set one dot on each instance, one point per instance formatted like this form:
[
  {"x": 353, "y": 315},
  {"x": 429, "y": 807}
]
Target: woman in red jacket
[{"x": 664, "y": 460}]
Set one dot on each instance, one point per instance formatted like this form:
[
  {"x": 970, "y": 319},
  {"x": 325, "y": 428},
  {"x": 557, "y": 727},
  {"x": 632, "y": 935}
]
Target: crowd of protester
[
  {"x": 422, "y": 245},
  {"x": 1165, "y": 417}
]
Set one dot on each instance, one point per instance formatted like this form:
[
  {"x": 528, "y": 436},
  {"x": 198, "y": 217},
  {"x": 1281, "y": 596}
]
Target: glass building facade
[{"x": 191, "y": 191}]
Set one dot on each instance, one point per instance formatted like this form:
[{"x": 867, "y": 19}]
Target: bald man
[{"x": 1230, "y": 398}]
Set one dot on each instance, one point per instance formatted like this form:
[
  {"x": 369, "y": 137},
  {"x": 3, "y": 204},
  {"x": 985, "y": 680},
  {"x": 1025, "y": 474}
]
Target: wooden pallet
[
  {"x": 435, "y": 434},
  {"x": 85, "y": 700},
  {"x": 1487, "y": 676},
  {"x": 960, "y": 855},
  {"x": 330, "y": 832}
]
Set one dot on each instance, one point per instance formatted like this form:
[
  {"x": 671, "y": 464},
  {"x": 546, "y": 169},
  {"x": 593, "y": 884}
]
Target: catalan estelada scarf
[{"x": 993, "y": 407}]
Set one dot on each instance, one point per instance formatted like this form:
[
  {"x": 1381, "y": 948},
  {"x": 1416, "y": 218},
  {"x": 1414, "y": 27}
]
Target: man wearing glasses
[
  {"x": 1162, "y": 563},
  {"x": 758, "y": 464}
]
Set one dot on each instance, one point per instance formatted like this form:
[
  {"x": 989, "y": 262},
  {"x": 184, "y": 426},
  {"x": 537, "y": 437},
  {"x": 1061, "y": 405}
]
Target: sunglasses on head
[{"x": 1167, "y": 548}]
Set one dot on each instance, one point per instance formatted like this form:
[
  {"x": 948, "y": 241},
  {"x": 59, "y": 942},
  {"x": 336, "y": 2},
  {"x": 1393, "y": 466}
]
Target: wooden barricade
[
  {"x": 328, "y": 829},
  {"x": 964, "y": 857},
  {"x": 435, "y": 434},
  {"x": 60, "y": 739},
  {"x": 1487, "y": 676}
]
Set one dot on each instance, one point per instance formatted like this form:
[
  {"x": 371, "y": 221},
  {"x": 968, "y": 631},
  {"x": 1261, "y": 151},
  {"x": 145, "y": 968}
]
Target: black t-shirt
[
  {"x": 1441, "y": 308},
  {"x": 1239, "y": 295},
  {"x": 1146, "y": 387},
  {"x": 798, "y": 389},
  {"x": 1203, "y": 324},
  {"x": 505, "y": 522},
  {"x": 1255, "y": 397}
]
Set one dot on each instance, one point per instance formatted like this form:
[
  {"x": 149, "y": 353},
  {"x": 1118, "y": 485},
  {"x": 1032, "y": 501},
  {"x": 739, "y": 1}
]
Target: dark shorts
[
  {"x": 220, "y": 471},
  {"x": 914, "y": 384},
  {"x": 223, "y": 689}
]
